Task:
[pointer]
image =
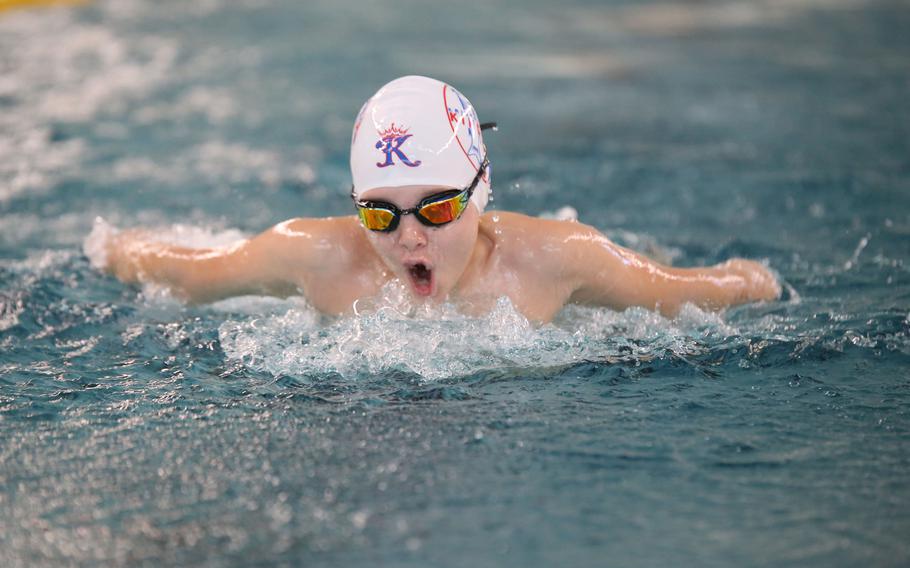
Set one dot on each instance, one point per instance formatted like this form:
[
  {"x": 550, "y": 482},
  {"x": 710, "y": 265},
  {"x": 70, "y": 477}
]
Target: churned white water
[
  {"x": 438, "y": 342},
  {"x": 394, "y": 332}
]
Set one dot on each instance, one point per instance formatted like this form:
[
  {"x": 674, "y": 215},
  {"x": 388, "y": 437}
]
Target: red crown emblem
[{"x": 393, "y": 131}]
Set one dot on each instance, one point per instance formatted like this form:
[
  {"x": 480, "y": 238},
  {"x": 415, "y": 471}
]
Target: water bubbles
[
  {"x": 96, "y": 243},
  {"x": 359, "y": 519},
  {"x": 564, "y": 213},
  {"x": 497, "y": 229},
  {"x": 78, "y": 347},
  {"x": 860, "y": 246},
  {"x": 10, "y": 309},
  {"x": 395, "y": 334}
]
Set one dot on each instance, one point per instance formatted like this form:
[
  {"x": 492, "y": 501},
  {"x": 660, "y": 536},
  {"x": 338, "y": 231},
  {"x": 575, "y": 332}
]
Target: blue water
[{"x": 135, "y": 430}]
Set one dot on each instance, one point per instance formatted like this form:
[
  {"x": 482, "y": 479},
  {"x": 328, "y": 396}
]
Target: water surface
[{"x": 135, "y": 430}]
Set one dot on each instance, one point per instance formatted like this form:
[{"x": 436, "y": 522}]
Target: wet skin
[{"x": 541, "y": 265}]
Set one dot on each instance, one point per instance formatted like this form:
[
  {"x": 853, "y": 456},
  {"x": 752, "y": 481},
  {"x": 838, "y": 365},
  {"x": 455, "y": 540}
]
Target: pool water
[{"x": 136, "y": 430}]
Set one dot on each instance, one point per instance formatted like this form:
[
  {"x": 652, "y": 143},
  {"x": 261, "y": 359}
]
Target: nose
[{"x": 411, "y": 234}]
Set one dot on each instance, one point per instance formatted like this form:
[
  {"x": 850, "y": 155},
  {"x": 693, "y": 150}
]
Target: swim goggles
[{"x": 434, "y": 210}]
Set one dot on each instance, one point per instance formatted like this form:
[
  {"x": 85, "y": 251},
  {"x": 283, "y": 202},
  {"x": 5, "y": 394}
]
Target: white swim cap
[{"x": 418, "y": 131}]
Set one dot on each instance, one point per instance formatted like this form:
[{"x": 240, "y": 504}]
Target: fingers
[{"x": 761, "y": 283}]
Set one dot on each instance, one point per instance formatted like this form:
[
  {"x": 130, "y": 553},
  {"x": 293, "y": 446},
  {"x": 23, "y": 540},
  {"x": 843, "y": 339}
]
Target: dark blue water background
[{"x": 135, "y": 430}]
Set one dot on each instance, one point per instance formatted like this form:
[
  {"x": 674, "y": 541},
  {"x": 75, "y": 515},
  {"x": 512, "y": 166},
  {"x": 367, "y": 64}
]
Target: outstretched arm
[
  {"x": 264, "y": 264},
  {"x": 610, "y": 275}
]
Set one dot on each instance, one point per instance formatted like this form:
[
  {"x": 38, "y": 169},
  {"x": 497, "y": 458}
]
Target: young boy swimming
[{"x": 421, "y": 181}]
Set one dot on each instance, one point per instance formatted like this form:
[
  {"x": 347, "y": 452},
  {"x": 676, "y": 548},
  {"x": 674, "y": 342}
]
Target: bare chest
[
  {"x": 537, "y": 297},
  {"x": 336, "y": 292}
]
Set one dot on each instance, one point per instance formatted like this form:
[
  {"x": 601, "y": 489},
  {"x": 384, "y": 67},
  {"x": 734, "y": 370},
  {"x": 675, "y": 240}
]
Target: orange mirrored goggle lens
[
  {"x": 375, "y": 219},
  {"x": 445, "y": 211}
]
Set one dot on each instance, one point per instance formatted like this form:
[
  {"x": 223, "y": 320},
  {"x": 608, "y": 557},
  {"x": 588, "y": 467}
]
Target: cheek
[
  {"x": 456, "y": 244},
  {"x": 382, "y": 243}
]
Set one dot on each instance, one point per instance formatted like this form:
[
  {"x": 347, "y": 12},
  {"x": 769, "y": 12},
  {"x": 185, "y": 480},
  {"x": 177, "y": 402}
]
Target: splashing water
[
  {"x": 437, "y": 342},
  {"x": 395, "y": 334}
]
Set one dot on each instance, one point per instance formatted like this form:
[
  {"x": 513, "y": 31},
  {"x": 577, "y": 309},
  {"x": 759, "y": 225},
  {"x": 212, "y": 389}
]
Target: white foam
[
  {"x": 39, "y": 263},
  {"x": 78, "y": 347},
  {"x": 216, "y": 162},
  {"x": 439, "y": 342},
  {"x": 60, "y": 69},
  {"x": 234, "y": 162},
  {"x": 215, "y": 105},
  {"x": 128, "y": 70},
  {"x": 96, "y": 243},
  {"x": 10, "y": 309},
  {"x": 29, "y": 159},
  {"x": 259, "y": 305},
  {"x": 564, "y": 213},
  {"x": 18, "y": 229}
]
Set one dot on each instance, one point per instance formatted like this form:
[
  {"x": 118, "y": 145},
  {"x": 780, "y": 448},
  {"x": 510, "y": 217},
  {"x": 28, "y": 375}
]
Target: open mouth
[{"x": 421, "y": 278}]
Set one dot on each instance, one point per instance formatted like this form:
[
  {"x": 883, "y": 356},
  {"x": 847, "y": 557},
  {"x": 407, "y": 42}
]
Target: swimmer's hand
[
  {"x": 117, "y": 252},
  {"x": 124, "y": 251},
  {"x": 757, "y": 283}
]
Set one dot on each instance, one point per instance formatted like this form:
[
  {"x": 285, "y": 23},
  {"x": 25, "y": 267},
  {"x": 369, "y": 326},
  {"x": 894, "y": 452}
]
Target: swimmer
[{"x": 421, "y": 180}]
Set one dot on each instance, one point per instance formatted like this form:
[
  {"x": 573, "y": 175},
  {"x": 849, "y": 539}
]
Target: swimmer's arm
[
  {"x": 607, "y": 274},
  {"x": 259, "y": 265}
]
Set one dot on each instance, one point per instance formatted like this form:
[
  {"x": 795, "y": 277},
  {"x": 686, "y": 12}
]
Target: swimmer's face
[{"x": 431, "y": 260}]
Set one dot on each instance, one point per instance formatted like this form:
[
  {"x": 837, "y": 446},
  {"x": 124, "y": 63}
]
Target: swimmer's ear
[{"x": 489, "y": 125}]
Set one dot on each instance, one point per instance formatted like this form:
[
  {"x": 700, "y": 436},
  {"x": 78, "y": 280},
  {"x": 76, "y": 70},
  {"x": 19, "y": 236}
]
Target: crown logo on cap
[
  {"x": 393, "y": 132},
  {"x": 392, "y": 138}
]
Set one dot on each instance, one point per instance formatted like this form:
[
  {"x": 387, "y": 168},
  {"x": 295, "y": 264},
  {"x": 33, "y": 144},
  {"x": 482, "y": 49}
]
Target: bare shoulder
[
  {"x": 321, "y": 242},
  {"x": 542, "y": 243},
  {"x": 309, "y": 228},
  {"x": 526, "y": 226}
]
